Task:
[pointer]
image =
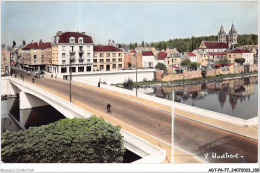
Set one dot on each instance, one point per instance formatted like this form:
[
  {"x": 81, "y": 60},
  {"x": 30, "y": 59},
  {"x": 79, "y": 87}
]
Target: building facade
[
  {"x": 35, "y": 56},
  {"x": 108, "y": 58},
  {"x": 241, "y": 53},
  {"x": 191, "y": 56},
  {"x": 148, "y": 59},
  {"x": 72, "y": 49},
  {"x": 5, "y": 60}
]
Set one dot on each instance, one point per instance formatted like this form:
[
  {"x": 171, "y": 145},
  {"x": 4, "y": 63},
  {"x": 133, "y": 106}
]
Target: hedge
[{"x": 75, "y": 140}]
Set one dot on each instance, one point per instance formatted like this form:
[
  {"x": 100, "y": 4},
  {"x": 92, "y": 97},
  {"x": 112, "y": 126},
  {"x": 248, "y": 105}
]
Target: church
[{"x": 230, "y": 38}]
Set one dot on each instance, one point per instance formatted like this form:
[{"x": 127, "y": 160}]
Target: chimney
[
  {"x": 40, "y": 40},
  {"x": 59, "y": 33},
  {"x": 83, "y": 33}
]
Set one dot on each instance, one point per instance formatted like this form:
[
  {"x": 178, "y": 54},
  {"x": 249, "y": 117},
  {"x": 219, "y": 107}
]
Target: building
[
  {"x": 108, "y": 58},
  {"x": 162, "y": 58},
  {"x": 202, "y": 56},
  {"x": 191, "y": 56},
  {"x": 241, "y": 53},
  {"x": 5, "y": 60},
  {"x": 148, "y": 59},
  {"x": 36, "y": 56},
  {"x": 138, "y": 60},
  {"x": 230, "y": 38},
  {"x": 215, "y": 50},
  {"x": 72, "y": 49}
]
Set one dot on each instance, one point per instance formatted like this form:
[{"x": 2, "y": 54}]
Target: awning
[{"x": 173, "y": 66}]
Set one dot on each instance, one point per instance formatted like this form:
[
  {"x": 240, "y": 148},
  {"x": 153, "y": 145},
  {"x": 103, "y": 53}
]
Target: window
[
  {"x": 80, "y": 60},
  {"x": 95, "y": 55},
  {"x": 88, "y": 60},
  {"x": 114, "y": 66},
  {"x": 101, "y": 60},
  {"x": 114, "y": 59},
  {"x": 73, "y": 69},
  {"x": 72, "y": 49},
  {"x": 63, "y": 55},
  {"x": 80, "y": 69},
  {"x": 63, "y": 69},
  {"x": 63, "y": 48},
  {"x": 172, "y": 60},
  {"x": 80, "y": 40},
  {"x": 34, "y": 56},
  {"x": 63, "y": 61},
  {"x": 88, "y": 55},
  {"x": 94, "y": 60},
  {"x": 80, "y": 56},
  {"x": 107, "y": 54},
  {"x": 119, "y": 59},
  {"x": 119, "y": 54},
  {"x": 114, "y": 54},
  {"x": 101, "y": 67},
  {"x": 107, "y": 60},
  {"x": 81, "y": 49},
  {"x": 72, "y": 40},
  {"x": 42, "y": 57},
  {"x": 101, "y": 54},
  {"x": 119, "y": 65}
]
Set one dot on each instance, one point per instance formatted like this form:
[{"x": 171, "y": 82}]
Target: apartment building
[
  {"x": 5, "y": 60},
  {"x": 36, "y": 56},
  {"x": 108, "y": 58},
  {"x": 72, "y": 49}
]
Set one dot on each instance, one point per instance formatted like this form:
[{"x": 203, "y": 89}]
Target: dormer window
[
  {"x": 72, "y": 40},
  {"x": 80, "y": 40}
]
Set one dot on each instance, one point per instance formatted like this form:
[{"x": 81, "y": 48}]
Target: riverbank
[{"x": 192, "y": 81}]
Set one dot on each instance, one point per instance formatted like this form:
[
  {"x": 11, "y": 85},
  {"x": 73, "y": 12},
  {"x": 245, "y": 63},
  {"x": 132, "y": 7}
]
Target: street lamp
[
  {"x": 70, "y": 77},
  {"x": 136, "y": 76},
  {"x": 172, "y": 150}
]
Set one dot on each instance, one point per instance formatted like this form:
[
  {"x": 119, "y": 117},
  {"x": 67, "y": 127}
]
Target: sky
[{"x": 124, "y": 22}]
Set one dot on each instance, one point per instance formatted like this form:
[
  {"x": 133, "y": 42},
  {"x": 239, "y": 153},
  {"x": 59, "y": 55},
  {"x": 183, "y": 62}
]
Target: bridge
[{"x": 147, "y": 119}]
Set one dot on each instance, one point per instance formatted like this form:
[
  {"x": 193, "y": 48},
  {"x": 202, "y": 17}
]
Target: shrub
[
  {"x": 161, "y": 66},
  {"x": 240, "y": 60},
  {"x": 75, "y": 140},
  {"x": 128, "y": 83},
  {"x": 204, "y": 73}
]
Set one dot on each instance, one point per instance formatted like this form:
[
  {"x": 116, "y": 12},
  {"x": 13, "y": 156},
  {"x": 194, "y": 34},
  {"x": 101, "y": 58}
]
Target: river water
[{"x": 236, "y": 97}]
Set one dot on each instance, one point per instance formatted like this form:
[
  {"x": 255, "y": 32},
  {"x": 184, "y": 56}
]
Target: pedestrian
[
  {"x": 99, "y": 84},
  {"x": 32, "y": 80},
  {"x": 23, "y": 77},
  {"x": 11, "y": 73},
  {"x": 108, "y": 107},
  {"x": 15, "y": 75},
  {"x": 51, "y": 75}
]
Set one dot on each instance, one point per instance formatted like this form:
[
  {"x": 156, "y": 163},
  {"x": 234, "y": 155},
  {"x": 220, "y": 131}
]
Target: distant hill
[{"x": 185, "y": 44}]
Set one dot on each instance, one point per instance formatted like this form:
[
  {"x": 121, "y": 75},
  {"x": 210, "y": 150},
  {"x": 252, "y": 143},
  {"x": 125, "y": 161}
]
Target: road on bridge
[{"x": 195, "y": 137}]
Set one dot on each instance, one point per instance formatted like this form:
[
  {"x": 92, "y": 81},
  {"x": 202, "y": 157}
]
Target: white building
[
  {"x": 246, "y": 54},
  {"x": 191, "y": 56},
  {"x": 72, "y": 48},
  {"x": 148, "y": 59}
]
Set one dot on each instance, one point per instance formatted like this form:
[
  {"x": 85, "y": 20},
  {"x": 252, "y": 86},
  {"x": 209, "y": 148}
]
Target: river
[{"x": 235, "y": 97}]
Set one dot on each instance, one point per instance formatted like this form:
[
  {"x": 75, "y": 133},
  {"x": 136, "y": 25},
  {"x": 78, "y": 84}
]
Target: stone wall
[
  {"x": 158, "y": 75},
  {"x": 253, "y": 68},
  {"x": 170, "y": 70},
  {"x": 211, "y": 73},
  {"x": 239, "y": 69},
  {"x": 194, "y": 74}
]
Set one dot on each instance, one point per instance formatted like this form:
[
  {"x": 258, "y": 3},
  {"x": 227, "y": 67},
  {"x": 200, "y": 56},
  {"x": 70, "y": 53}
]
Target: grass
[{"x": 188, "y": 81}]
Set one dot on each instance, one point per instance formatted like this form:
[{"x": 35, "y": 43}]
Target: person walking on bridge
[
  {"x": 32, "y": 80},
  {"x": 108, "y": 107}
]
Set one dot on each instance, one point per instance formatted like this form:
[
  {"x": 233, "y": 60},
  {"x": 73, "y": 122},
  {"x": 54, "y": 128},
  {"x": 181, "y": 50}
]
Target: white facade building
[
  {"x": 249, "y": 58},
  {"x": 148, "y": 59},
  {"x": 72, "y": 48}
]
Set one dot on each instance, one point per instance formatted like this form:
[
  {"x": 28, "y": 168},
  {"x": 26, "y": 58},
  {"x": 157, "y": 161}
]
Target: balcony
[
  {"x": 72, "y": 51},
  {"x": 73, "y": 58},
  {"x": 81, "y": 51}
]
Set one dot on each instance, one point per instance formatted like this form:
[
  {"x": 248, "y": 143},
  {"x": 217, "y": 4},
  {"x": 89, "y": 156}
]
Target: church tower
[
  {"x": 232, "y": 37},
  {"x": 221, "y": 35}
]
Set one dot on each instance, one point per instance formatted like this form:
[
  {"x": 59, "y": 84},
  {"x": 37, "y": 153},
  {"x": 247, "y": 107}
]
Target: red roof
[
  {"x": 190, "y": 54},
  {"x": 106, "y": 49},
  {"x": 216, "y": 53},
  {"x": 215, "y": 45},
  {"x": 162, "y": 55},
  {"x": 36, "y": 45},
  {"x": 147, "y": 53},
  {"x": 173, "y": 66},
  {"x": 65, "y": 37},
  {"x": 132, "y": 51},
  {"x": 223, "y": 64},
  {"x": 240, "y": 51}
]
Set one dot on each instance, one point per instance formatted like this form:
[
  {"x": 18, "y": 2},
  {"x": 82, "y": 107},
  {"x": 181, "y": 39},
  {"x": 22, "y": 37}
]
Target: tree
[
  {"x": 240, "y": 60},
  {"x": 119, "y": 46},
  {"x": 223, "y": 61},
  {"x": 129, "y": 64},
  {"x": 131, "y": 46},
  {"x": 142, "y": 43},
  {"x": 77, "y": 140},
  {"x": 14, "y": 43},
  {"x": 161, "y": 66},
  {"x": 195, "y": 65},
  {"x": 186, "y": 63},
  {"x": 204, "y": 73},
  {"x": 24, "y": 43}
]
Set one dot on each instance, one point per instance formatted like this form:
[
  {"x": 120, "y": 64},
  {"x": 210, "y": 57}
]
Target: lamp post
[
  {"x": 172, "y": 150},
  {"x": 70, "y": 77},
  {"x": 136, "y": 76}
]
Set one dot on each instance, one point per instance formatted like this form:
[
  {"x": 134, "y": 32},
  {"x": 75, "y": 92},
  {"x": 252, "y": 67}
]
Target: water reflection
[{"x": 237, "y": 97}]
